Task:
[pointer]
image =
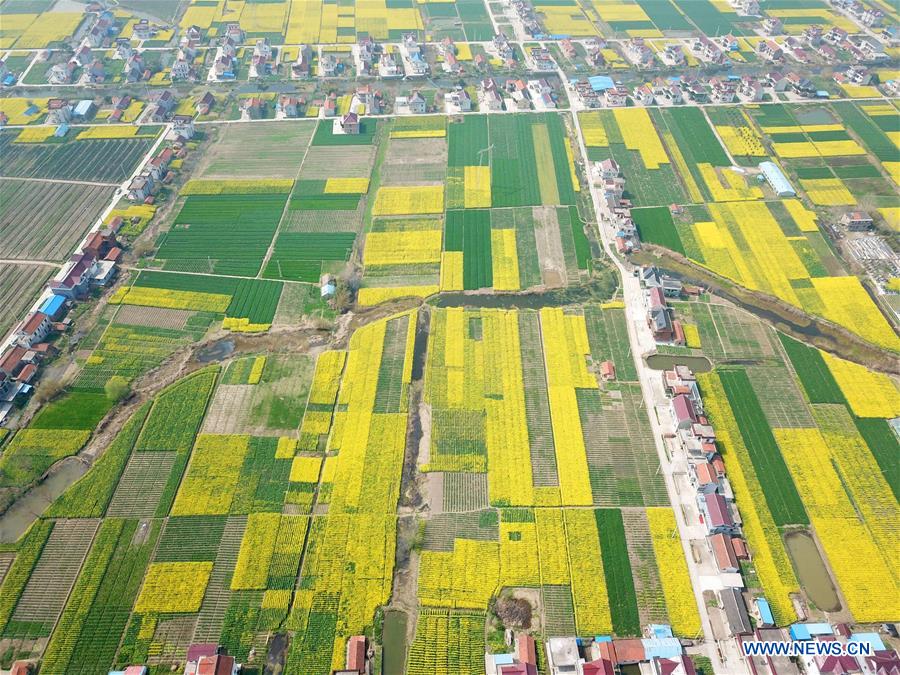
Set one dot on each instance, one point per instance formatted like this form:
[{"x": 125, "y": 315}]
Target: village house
[
  {"x": 722, "y": 90},
  {"x": 723, "y": 553},
  {"x": 615, "y": 97},
  {"x": 770, "y": 51},
  {"x": 205, "y": 103},
  {"x": 388, "y": 66},
  {"x": 458, "y": 100},
  {"x": 416, "y": 103},
  {"x": 254, "y": 107},
  {"x": 750, "y": 89},
  {"x": 366, "y": 51},
  {"x": 746, "y": 7},
  {"x": 288, "y": 106},
  {"x": 260, "y": 65},
  {"x": 209, "y": 659},
  {"x": 356, "y": 656},
  {"x": 140, "y": 188},
  {"x": 328, "y": 65},
  {"x": 772, "y": 25},
  {"x": 673, "y": 55},
  {"x": 857, "y": 221},
  {"x": 234, "y": 33},
  {"x": 142, "y": 30},
  {"x": 418, "y": 66},
  {"x": 33, "y": 330},
  {"x": 59, "y": 111},
  {"x": 301, "y": 68},
  {"x": 123, "y": 48},
  {"x": 181, "y": 67},
  {"x": 716, "y": 514},
  {"x": 350, "y": 123},
  {"x": 707, "y": 50},
  {"x": 638, "y": 53},
  {"x": 225, "y": 62},
  {"x": 541, "y": 59},
  {"x": 490, "y": 96},
  {"x": 643, "y": 95},
  {"x": 133, "y": 70}
]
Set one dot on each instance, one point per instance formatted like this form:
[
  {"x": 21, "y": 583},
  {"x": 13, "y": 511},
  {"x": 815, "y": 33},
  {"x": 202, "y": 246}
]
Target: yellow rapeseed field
[
  {"x": 403, "y": 248},
  {"x": 639, "y": 134},
  {"x": 868, "y": 393},
  {"x": 48, "y": 28},
  {"x": 680, "y": 601},
  {"x": 162, "y": 297},
  {"x": 847, "y": 303},
  {"x": 593, "y": 130},
  {"x": 305, "y": 469},
  {"x": 477, "y": 187},
  {"x": 827, "y": 192},
  {"x": 353, "y": 186},
  {"x": 173, "y": 587},
  {"x": 504, "y": 261},
  {"x": 863, "y": 572},
  {"x": 565, "y": 347},
  {"x": 408, "y": 200},
  {"x": 452, "y": 271},
  {"x": 375, "y": 296},
  {"x": 803, "y": 217},
  {"x": 35, "y": 134}
]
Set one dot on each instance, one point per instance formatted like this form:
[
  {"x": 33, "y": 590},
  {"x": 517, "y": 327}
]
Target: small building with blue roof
[{"x": 53, "y": 306}]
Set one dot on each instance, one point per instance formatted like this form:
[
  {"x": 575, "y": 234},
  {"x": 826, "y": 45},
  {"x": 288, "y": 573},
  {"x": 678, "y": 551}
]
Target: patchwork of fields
[{"x": 729, "y": 221}]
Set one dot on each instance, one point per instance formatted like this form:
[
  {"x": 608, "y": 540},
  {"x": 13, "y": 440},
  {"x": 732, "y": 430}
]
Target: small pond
[
  {"x": 216, "y": 351},
  {"x": 699, "y": 364},
  {"x": 811, "y": 571}
]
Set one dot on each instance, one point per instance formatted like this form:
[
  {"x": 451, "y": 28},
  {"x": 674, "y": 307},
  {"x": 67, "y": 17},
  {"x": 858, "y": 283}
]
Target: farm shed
[
  {"x": 765, "y": 612},
  {"x": 776, "y": 178},
  {"x": 807, "y": 631}
]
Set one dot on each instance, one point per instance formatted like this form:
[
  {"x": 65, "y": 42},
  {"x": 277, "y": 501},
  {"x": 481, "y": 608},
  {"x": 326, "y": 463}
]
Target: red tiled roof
[
  {"x": 629, "y": 651},
  {"x": 215, "y": 665},
  {"x": 598, "y": 667},
  {"x": 356, "y": 653},
  {"x": 684, "y": 409},
  {"x": 723, "y": 551},
  {"x": 719, "y": 514},
  {"x": 740, "y": 548},
  {"x": 34, "y": 322},
  {"x": 27, "y": 373},
  {"x": 705, "y": 473},
  {"x": 11, "y": 359},
  {"x": 525, "y": 649}
]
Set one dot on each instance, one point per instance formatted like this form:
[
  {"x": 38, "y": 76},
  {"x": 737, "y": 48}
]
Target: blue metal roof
[
  {"x": 874, "y": 639},
  {"x": 504, "y": 659},
  {"x": 61, "y": 130},
  {"x": 601, "y": 82},
  {"x": 806, "y": 631},
  {"x": 664, "y": 648},
  {"x": 603, "y": 638},
  {"x": 52, "y": 305},
  {"x": 765, "y": 612},
  {"x": 660, "y": 630}
]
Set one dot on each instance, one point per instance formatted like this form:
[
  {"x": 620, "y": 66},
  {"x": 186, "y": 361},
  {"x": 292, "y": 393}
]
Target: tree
[{"x": 117, "y": 388}]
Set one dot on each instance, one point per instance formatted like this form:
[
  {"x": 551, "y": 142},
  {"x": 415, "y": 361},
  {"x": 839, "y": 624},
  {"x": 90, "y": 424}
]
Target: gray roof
[{"x": 735, "y": 611}]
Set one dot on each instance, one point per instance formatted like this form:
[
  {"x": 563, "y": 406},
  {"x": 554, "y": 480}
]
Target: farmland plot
[
  {"x": 264, "y": 150},
  {"x": 204, "y": 237},
  {"x": 271, "y": 408},
  {"x": 19, "y": 287},
  {"x": 44, "y": 596},
  {"x": 41, "y": 221},
  {"x": 106, "y": 160}
]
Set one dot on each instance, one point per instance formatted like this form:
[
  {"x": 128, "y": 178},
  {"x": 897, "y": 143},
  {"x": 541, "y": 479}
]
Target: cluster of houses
[
  {"x": 881, "y": 659},
  {"x": 93, "y": 265},
  {"x": 661, "y": 319},
  {"x": 719, "y": 516},
  {"x": 515, "y": 94},
  {"x": 607, "y": 176},
  {"x": 225, "y": 64},
  {"x": 658, "y": 653},
  {"x": 156, "y": 173},
  {"x": 602, "y": 91}
]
